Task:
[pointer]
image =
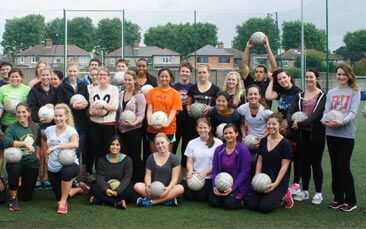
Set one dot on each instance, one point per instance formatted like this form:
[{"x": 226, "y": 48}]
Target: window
[
  {"x": 149, "y": 60},
  {"x": 261, "y": 61},
  {"x": 167, "y": 60},
  {"x": 112, "y": 61},
  {"x": 21, "y": 59},
  {"x": 84, "y": 59},
  {"x": 285, "y": 63},
  {"x": 35, "y": 59},
  {"x": 202, "y": 59},
  {"x": 224, "y": 59}
]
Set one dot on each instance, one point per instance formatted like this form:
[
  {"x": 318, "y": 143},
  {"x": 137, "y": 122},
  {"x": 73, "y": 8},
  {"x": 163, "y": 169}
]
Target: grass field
[{"x": 41, "y": 212}]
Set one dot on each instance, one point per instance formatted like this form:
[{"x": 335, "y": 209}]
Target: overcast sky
[{"x": 344, "y": 15}]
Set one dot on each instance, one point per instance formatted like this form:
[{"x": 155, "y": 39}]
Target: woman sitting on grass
[
  {"x": 114, "y": 172},
  {"x": 161, "y": 166}
]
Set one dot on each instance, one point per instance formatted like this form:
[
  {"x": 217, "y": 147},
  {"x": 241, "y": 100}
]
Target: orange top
[{"x": 165, "y": 101}]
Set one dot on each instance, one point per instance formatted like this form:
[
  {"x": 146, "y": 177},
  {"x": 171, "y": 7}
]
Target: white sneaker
[
  {"x": 302, "y": 195},
  {"x": 317, "y": 198},
  {"x": 295, "y": 188}
]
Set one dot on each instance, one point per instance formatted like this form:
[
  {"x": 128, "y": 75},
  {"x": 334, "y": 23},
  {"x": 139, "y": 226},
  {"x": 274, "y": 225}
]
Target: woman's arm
[
  {"x": 72, "y": 144},
  {"x": 270, "y": 93},
  {"x": 258, "y": 167},
  {"x": 127, "y": 175},
  {"x": 189, "y": 166},
  {"x": 281, "y": 175}
]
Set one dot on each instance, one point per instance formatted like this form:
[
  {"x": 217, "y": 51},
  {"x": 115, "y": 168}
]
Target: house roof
[
  {"x": 144, "y": 51},
  {"x": 290, "y": 54},
  {"x": 237, "y": 53},
  {"x": 54, "y": 50},
  {"x": 209, "y": 50}
]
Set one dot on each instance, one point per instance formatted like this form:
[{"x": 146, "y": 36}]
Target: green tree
[
  {"x": 81, "y": 32},
  {"x": 55, "y": 31},
  {"x": 291, "y": 36},
  {"x": 182, "y": 38},
  {"x": 109, "y": 34},
  {"x": 355, "y": 45},
  {"x": 22, "y": 33},
  {"x": 244, "y": 31},
  {"x": 314, "y": 59}
]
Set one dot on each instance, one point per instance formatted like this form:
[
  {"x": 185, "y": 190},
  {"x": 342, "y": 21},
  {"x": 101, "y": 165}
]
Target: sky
[{"x": 344, "y": 15}]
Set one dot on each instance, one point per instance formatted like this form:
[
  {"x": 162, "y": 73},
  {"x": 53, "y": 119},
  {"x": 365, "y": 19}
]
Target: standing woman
[
  {"x": 199, "y": 153},
  {"x": 60, "y": 137},
  {"x": 131, "y": 132},
  {"x": 274, "y": 159},
  {"x": 233, "y": 87},
  {"x": 166, "y": 99},
  {"x": 183, "y": 130},
  {"x": 42, "y": 94},
  {"x": 341, "y": 137},
  {"x": 103, "y": 110},
  {"x": 26, "y": 135},
  {"x": 40, "y": 64},
  {"x": 234, "y": 158},
  {"x": 223, "y": 112},
  {"x": 311, "y": 137},
  {"x": 161, "y": 166},
  {"x": 118, "y": 166}
]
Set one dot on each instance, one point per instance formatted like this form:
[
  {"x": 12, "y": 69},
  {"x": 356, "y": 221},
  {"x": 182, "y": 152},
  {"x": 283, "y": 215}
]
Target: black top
[
  {"x": 272, "y": 161},
  {"x": 285, "y": 98},
  {"x": 216, "y": 118},
  {"x": 207, "y": 97}
]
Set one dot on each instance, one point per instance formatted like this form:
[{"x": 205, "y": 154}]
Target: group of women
[{"x": 87, "y": 125}]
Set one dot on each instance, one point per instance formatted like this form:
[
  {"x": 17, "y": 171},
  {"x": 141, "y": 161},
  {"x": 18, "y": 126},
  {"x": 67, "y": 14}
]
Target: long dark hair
[
  {"x": 31, "y": 124},
  {"x": 235, "y": 128},
  {"x": 316, "y": 73},
  {"x": 276, "y": 85}
]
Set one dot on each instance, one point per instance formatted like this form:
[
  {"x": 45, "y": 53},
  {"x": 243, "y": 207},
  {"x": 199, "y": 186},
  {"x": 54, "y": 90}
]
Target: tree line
[{"x": 22, "y": 33}]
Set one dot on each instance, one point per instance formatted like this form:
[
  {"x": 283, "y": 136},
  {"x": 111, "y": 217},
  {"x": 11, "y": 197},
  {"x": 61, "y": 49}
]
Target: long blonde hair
[
  {"x": 66, "y": 108},
  {"x": 238, "y": 89}
]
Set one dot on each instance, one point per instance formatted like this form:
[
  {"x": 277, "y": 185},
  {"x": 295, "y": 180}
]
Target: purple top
[
  {"x": 240, "y": 168},
  {"x": 136, "y": 104},
  {"x": 228, "y": 163}
]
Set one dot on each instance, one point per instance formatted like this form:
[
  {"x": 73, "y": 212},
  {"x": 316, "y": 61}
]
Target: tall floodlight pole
[
  {"x": 326, "y": 45},
  {"x": 279, "y": 62},
  {"x": 195, "y": 46},
  {"x": 122, "y": 34},
  {"x": 65, "y": 40},
  {"x": 302, "y": 45}
]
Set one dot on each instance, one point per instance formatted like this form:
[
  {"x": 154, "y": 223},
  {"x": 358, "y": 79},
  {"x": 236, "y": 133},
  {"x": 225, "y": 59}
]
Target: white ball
[
  {"x": 12, "y": 105},
  {"x": 334, "y": 115},
  {"x": 159, "y": 118},
  {"x": 197, "y": 110},
  {"x": 257, "y": 38},
  {"x": 101, "y": 102},
  {"x": 157, "y": 188},
  {"x": 223, "y": 181},
  {"x": 13, "y": 155},
  {"x": 128, "y": 115},
  {"x": 77, "y": 98},
  {"x": 251, "y": 141},
  {"x": 66, "y": 157},
  {"x": 220, "y": 130},
  {"x": 146, "y": 88},
  {"x": 114, "y": 183},
  {"x": 299, "y": 116},
  {"x": 195, "y": 183},
  {"x": 46, "y": 113},
  {"x": 118, "y": 78},
  {"x": 261, "y": 182},
  {"x": 1, "y": 110}
]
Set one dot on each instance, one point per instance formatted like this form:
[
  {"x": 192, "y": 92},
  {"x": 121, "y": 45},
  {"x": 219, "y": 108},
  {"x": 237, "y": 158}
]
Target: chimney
[
  {"x": 136, "y": 44},
  {"x": 220, "y": 45},
  {"x": 48, "y": 43}
]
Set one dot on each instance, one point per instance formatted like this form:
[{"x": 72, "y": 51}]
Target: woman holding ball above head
[
  {"x": 130, "y": 128},
  {"x": 311, "y": 134},
  {"x": 60, "y": 137},
  {"x": 199, "y": 153},
  {"x": 164, "y": 167},
  {"x": 113, "y": 178},
  {"x": 340, "y": 136},
  {"x": 25, "y": 135},
  {"x": 233, "y": 158},
  {"x": 166, "y": 100},
  {"x": 274, "y": 160}
]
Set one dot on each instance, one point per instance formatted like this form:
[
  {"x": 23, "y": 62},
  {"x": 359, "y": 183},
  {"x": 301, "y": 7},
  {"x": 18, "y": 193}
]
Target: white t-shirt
[
  {"x": 109, "y": 96},
  {"x": 54, "y": 140},
  {"x": 256, "y": 125},
  {"x": 201, "y": 154}
]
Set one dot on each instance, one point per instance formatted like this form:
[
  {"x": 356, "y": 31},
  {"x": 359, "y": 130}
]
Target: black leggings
[
  {"x": 28, "y": 179},
  {"x": 127, "y": 194},
  {"x": 266, "y": 202},
  {"x": 297, "y": 158},
  {"x": 229, "y": 202},
  {"x": 340, "y": 152},
  {"x": 132, "y": 145},
  {"x": 312, "y": 151},
  {"x": 67, "y": 173},
  {"x": 201, "y": 195},
  {"x": 3, "y": 192},
  {"x": 99, "y": 136}
]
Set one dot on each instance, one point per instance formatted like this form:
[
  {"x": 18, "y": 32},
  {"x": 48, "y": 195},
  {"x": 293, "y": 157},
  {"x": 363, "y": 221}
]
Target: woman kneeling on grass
[
  {"x": 273, "y": 159},
  {"x": 161, "y": 166},
  {"x": 59, "y": 137},
  {"x": 114, "y": 167},
  {"x": 234, "y": 158}
]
